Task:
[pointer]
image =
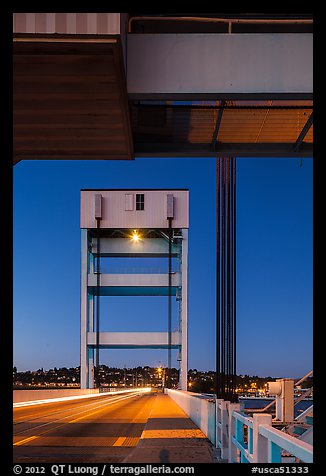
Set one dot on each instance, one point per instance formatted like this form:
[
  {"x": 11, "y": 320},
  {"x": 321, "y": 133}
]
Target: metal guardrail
[
  {"x": 277, "y": 441},
  {"x": 305, "y": 393},
  {"x": 244, "y": 439},
  {"x": 229, "y": 21}
]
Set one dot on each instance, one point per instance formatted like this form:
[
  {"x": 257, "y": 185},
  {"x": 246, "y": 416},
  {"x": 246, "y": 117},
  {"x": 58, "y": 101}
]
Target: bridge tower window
[{"x": 140, "y": 201}]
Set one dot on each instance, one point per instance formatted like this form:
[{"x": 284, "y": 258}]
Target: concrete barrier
[
  {"x": 31, "y": 395},
  {"x": 199, "y": 409},
  {"x": 57, "y": 395}
]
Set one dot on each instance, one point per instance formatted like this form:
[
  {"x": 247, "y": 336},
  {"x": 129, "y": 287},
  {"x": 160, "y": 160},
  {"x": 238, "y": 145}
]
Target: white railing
[
  {"x": 243, "y": 439},
  {"x": 277, "y": 441},
  {"x": 200, "y": 410},
  {"x": 308, "y": 412},
  {"x": 240, "y": 438}
]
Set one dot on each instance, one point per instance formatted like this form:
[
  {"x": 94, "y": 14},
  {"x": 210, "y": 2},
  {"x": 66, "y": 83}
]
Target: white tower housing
[{"x": 133, "y": 223}]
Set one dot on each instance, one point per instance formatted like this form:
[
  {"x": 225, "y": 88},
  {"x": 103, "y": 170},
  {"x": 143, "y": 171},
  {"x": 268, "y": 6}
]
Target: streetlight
[
  {"x": 135, "y": 236},
  {"x": 159, "y": 371},
  {"x": 161, "y": 374}
]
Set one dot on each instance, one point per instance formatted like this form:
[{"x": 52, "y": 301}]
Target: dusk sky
[{"x": 274, "y": 263}]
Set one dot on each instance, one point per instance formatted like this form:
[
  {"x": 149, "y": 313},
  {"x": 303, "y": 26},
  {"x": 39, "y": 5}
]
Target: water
[{"x": 262, "y": 402}]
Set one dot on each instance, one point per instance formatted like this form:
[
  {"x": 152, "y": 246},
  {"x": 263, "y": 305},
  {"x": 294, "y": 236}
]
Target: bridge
[
  {"x": 121, "y": 86},
  {"x": 134, "y": 426},
  {"x": 144, "y": 425}
]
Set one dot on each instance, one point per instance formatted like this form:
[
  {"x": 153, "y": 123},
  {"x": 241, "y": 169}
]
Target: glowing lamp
[{"x": 135, "y": 236}]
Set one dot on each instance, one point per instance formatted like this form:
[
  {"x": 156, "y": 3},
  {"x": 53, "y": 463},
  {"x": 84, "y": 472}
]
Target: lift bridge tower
[{"x": 133, "y": 224}]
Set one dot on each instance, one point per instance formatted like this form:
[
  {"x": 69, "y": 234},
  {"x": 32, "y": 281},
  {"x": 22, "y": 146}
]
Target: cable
[
  {"x": 234, "y": 296},
  {"x": 170, "y": 304},
  {"x": 225, "y": 279},
  {"x": 218, "y": 282},
  {"x": 98, "y": 290}
]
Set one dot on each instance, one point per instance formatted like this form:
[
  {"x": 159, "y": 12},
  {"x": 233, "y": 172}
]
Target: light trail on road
[{"x": 105, "y": 429}]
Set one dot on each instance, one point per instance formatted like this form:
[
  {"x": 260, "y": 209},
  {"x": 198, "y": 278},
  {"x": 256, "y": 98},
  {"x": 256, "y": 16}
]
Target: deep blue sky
[{"x": 274, "y": 263}]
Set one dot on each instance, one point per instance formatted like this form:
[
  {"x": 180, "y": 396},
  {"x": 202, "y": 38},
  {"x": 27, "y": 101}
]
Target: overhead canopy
[
  {"x": 242, "y": 128},
  {"x": 232, "y": 94},
  {"x": 71, "y": 102},
  {"x": 70, "y": 99}
]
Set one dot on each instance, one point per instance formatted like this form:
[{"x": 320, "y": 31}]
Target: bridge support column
[
  {"x": 150, "y": 224},
  {"x": 84, "y": 367}
]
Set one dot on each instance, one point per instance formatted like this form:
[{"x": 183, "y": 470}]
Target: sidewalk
[{"x": 171, "y": 437}]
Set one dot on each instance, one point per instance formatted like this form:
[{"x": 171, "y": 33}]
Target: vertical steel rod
[
  {"x": 218, "y": 282},
  {"x": 170, "y": 305},
  {"x": 228, "y": 279},
  {"x": 98, "y": 288},
  {"x": 234, "y": 280},
  {"x": 225, "y": 279}
]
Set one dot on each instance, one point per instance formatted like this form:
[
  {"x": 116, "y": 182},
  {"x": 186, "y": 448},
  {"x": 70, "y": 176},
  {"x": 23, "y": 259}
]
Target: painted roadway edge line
[
  {"x": 131, "y": 442},
  {"x": 76, "y": 397},
  {"x": 25, "y": 440},
  {"x": 139, "y": 442},
  {"x": 119, "y": 441},
  {"x": 134, "y": 440},
  {"x": 149, "y": 416},
  {"x": 171, "y": 433},
  {"x": 21, "y": 442}
]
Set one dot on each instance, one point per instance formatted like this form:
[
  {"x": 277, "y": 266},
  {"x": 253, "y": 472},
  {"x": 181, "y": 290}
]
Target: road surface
[{"x": 95, "y": 430}]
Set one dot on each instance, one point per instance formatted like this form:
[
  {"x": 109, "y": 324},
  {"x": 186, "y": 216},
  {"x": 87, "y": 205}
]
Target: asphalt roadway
[{"x": 95, "y": 430}]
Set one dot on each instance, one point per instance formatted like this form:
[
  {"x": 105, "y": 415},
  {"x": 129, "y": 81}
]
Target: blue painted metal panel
[
  {"x": 239, "y": 431},
  {"x": 275, "y": 453},
  {"x": 133, "y": 290},
  {"x": 250, "y": 439},
  {"x": 299, "y": 430}
]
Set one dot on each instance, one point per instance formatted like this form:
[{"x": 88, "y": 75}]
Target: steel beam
[
  {"x": 259, "y": 150},
  {"x": 84, "y": 311},
  {"x": 217, "y": 125},
  {"x": 134, "y": 280},
  {"x": 303, "y": 133},
  {"x": 159, "y": 340},
  {"x": 147, "y": 247},
  {"x": 220, "y": 63},
  {"x": 216, "y": 96}
]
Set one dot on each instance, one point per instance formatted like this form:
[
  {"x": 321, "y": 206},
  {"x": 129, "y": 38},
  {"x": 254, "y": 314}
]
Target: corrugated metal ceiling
[{"x": 243, "y": 122}]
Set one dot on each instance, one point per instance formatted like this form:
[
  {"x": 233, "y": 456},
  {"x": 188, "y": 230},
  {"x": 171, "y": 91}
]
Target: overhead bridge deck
[{"x": 87, "y": 88}]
